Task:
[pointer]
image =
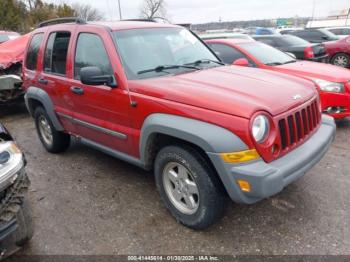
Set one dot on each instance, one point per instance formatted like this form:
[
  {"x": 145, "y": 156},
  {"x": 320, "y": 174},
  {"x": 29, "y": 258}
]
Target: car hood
[
  {"x": 316, "y": 70},
  {"x": 233, "y": 90}
]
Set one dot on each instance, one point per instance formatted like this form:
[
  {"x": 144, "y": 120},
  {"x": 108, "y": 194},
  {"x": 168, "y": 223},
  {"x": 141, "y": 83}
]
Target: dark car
[
  {"x": 315, "y": 35},
  {"x": 299, "y": 47},
  {"x": 15, "y": 214}
]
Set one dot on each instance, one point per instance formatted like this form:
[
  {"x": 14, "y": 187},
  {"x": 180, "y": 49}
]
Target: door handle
[
  {"x": 43, "y": 81},
  {"x": 77, "y": 90}
]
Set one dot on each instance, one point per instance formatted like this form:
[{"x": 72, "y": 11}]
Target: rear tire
[
  {"x": 341, "y": 59},
  {"x": 189, "y": 187},
  {"x": 54, "y": 141}
]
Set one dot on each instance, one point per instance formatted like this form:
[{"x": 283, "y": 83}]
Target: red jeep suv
[{"x": 156, "y": 96}]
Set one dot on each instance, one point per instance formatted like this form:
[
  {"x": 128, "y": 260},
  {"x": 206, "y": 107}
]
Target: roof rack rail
[
  {"x": 140, "y": 20},
  {"x": 62, "y": 20}
]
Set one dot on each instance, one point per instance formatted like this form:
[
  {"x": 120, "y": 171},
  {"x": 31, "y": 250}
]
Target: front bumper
[
  {"x": 11, "y": 204},
  {"x": 268, "y": 179},
  {"x": 336, "y": 100}
]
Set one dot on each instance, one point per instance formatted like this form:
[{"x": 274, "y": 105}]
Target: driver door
[{"x": 101, "y": 113}]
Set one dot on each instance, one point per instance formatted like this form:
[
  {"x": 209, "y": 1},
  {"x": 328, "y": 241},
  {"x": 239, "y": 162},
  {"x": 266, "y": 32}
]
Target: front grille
[{"x": 297, "y": 126}]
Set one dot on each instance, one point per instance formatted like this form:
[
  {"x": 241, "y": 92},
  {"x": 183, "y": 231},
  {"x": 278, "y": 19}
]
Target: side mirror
[
  {"x": 92, "y": 75},
  {"x": 241, "y": 62},
  {"x": 325, "y": 37},
  {"x": 291, "y": 55}
]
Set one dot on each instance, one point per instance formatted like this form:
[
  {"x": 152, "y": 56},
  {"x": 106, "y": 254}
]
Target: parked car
[
  {"x": 7, "y": 35},
  {"x": 225, "y": 35},
  {"x": 341, "y": 32},
  {"x": 16, "y": 227},
  {"x": 333, "y": 82},
  {"x": 315, "y": 35},
  {"x": 339, "y": 52},
  {"x": 261, "y": 31},
  {"x": 299, "y": 47},
  {"x": 154, "y": 95}
]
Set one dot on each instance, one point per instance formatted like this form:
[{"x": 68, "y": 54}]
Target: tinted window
[
  {"x": 226, "y": 53},
  {"x": 55, "y": 59},
  {"x": 33, "y": 50},
  {"x": 290, "y": 40},
  {"x": 337, "y": 31},
  {"x": 90, "y": 51}
]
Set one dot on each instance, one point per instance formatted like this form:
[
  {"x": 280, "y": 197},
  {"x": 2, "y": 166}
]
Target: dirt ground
[{"x": 85, "y": 202}]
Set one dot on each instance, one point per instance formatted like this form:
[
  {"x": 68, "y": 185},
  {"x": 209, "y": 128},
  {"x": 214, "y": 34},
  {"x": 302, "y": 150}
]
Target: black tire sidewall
[
  {"x": 60, "y": 140},
  {"x": 210, "y": 195},
  {"x": 41, "y": 112}
]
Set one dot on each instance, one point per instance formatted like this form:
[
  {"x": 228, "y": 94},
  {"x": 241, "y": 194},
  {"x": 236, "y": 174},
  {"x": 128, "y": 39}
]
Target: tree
[
  {"x": 87, "y": 12},
  {"x": 12, "y": 14},
  {"x": 153, "y": 9}
]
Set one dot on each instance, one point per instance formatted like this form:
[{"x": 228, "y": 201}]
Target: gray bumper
[{"x": 267, "y": 179}]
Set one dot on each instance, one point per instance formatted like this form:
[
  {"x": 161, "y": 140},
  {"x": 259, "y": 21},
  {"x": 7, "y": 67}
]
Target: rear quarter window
[{"x": 33, "y": 50}]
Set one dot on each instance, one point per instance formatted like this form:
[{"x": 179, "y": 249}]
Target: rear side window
[
  {"x": 4, "y": 38},
  {"x": 55, "y": 58},
  {"x": 90, "y": 51},
  {"x": 33, "y": 50}
]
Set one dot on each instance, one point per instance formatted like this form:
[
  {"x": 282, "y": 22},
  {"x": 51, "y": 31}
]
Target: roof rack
[
  {"x": 140, "y": 20},
  {"x": 62, "y": 20}
]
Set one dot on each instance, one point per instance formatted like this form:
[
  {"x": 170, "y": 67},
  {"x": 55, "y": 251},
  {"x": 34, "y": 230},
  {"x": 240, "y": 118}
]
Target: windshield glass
[
  {"x": 165, "y": 50},
  {"x": 266, "y": 54}
]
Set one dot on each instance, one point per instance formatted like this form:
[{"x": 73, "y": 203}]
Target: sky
[{"x": 203, "y": 11}]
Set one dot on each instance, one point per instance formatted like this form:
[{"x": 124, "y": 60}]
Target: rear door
[
  {"x": 53, "y": 78},
  {"x": 101, "y": 113}
]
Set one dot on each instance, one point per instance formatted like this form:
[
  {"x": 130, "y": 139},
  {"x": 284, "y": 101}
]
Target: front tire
[
  {"x": 189, "y": 187},
  {"x": 341, "y": 59},
  {"x": 54, "y": 141}
]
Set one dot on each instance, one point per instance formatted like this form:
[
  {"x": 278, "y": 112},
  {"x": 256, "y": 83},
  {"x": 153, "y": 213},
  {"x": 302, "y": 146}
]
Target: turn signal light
[
  {"x": 238, "y": 157},
  {"x": 244, "y": 185}
]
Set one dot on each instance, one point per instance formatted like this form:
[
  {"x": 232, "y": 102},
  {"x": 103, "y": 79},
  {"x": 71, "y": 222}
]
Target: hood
[
  {"x": 233, "y": 90},
  {"x": 12, "y": 51},
  {"x": 316, "y": 70}
]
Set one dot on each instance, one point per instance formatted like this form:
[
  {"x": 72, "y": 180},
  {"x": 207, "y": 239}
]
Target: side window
[
  {"x": 227, "y": 54},
  {"x": 33, "y": 50},
  {"x": 90, "y": 51},
  {"x": 55, "y": 58}
]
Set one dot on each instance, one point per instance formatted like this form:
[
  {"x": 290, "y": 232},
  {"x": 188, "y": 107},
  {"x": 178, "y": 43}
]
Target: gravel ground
[{"x": 85, "y": 202}]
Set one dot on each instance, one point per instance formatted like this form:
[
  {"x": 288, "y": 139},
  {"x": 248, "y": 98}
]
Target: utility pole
[{"x": 120, "y": 10}]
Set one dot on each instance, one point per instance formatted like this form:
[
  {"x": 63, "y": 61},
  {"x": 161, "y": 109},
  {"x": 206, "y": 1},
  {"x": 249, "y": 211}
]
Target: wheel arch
[
  {"x": 38, "y": 97},
  {"x": 161, "y": 129}
]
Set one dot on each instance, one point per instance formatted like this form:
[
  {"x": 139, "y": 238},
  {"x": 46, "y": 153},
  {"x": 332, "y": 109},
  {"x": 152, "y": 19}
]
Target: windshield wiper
[
  {"x": 274, "y": 63},
  {"x": 166, "y": 67},
  {"x": 289, "y": 62},
  {"x": 205, "y": 61}
]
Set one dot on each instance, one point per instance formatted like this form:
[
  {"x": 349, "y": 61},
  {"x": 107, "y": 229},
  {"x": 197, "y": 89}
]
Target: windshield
[
  {"x": 329, "y": 34},
  {"x": 266, "y": 54},
  {"x": 155, "y": 52}
]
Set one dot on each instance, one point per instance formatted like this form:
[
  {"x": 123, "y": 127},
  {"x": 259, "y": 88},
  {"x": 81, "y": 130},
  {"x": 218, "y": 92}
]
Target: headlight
[
  {"x": 260, "y": 128},
  {"x": 328, "y": 86},
  {"x": 11, "y": 159}
]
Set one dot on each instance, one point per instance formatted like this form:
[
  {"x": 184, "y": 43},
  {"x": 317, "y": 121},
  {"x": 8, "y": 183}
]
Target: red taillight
[{"x": 309, "y": 53}]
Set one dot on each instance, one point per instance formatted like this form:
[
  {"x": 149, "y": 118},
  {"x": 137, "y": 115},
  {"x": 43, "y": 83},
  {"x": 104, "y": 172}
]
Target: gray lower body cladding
[{"x": 268, "y": 179}]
